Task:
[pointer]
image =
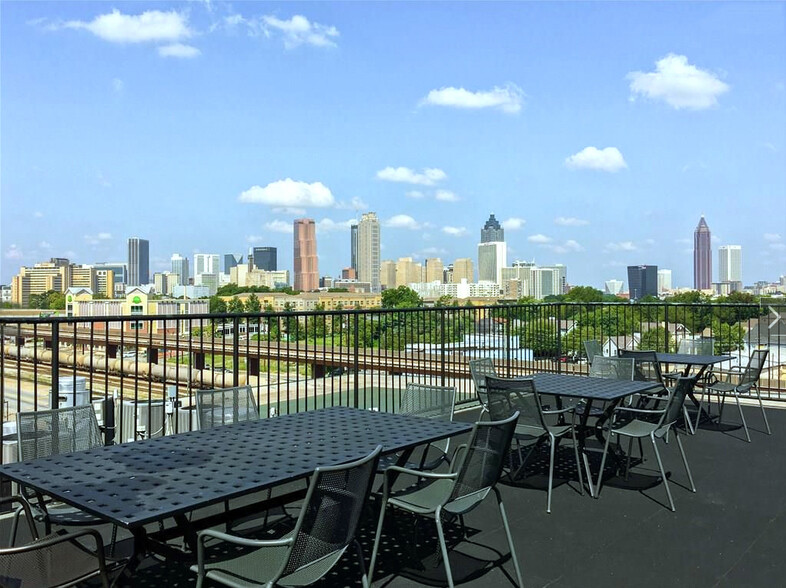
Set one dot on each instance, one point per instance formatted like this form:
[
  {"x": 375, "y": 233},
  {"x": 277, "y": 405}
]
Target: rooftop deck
[{"x": 730, "y": 533}]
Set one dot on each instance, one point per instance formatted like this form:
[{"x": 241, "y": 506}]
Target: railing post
[
  {"x": 508, "y": 335},
  {"x": 356, "y": 359},
  {"x": 442, "y": 346},
  {"x": 559, "y": 339},
  {"x": 236, "y": 351},
  {"x": 666, "y": 327},
  {"x": 109, "y": 420},
  {"x": 54, "y": 401}
]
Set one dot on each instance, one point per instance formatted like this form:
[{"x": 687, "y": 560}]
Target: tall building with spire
[
  {"x": 492, "y": 231},
  {"x": 306, "y": 261},
  {"x": 702, "y": 256},
  {"x": 368, "y": 251},
  {"x": 492, "y": 252},
  {"x": 138, "y": 261}
]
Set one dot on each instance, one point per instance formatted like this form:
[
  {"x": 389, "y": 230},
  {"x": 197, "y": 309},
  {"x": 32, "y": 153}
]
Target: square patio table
[
  {"x": 689, "y": 360},
  {"x": 138, "y": 483}
]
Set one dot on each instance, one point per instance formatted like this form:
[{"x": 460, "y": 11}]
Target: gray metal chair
[
  {"x": 592, "y": 348},
  {"x": 60, "y": 560},
  {"x": 44, "y": 433},
  {"x": 647, "y": 366},
  {"x": 667, "y": 411},
  {"x": 509, "y": 395},
  {"x": 431, "y": 402},
  {"x": 325, "y": 528},
  {"x": 475, "y": 471},
  {"x": 612, "y": 368},
  {"x": 479, "y": 369},
  {"x": 746, "y": 383},
  {"x": 225, "y": 406},
  {"x": 700, "y": 346}
]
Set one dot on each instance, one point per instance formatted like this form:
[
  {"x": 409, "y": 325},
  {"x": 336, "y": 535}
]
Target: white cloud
[
  {"x": 433, "y": 251},
  {"x": 255, "y": 239},
  {"x": 539, "y": 239},
  {"x": 355, "y": 204},
  {"x": 778, "y": 246},
  {"x": 97, "y": 239},
  {"x": 289, "y": 210},
  {"x": 569, "y": 246},
  {"x": 117, "y": 85},
  {"x": 455, "y": 231},
  {"x": 290, "y": 193},
  {"x": 772, "y": 237},
  {"x": 621, "y": 246},
  {"x": 508, "y": 98},
  {"x": 513, "y": 223},
  {"x": 279, "y": 226},
  {"x": 446, "y": 196},
  {"x": 45, "y": 245},
  {"x": 403, "y": 221},
  {"x": 179, "y": 50},
  {"x": 609, "y": 159},
  {"x": 38, "y": 214},
  {"x": 428, "y": 177},
  {"x": 298, "y": 30},
  {"x": 327, "y": 225},
  {"x": 678, "y": 83},
  {"x": 13, "y": 252},
  {"x": 570, "y": 221},
  {"x": 150, "y": 26},
  {"x": 415, "y": 194}
]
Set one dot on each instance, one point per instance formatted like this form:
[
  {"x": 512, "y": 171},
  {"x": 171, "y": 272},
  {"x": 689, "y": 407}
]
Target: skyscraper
[
  {"x": 265, "y": 258},
  {"x": 702, "y": 256},
  {"x": 642, "y": 281},
  {"x": 492, "y": 231},
  {"x": 206, "y": 263},
  {"x": 664, "y": 280},
  {"x": 231, "y": 260},
  {"x": 180, "y": 269},
  {"x": 368, "y": 246},
  {"x": 306, "y": 263},
  {"x": 463, "y": 270},
  {"x": 138, "y": 261},
  {"x": 353, "y": 247},
  {"x": 730, "y": 263},
  {"x": 434, "y": 269}
]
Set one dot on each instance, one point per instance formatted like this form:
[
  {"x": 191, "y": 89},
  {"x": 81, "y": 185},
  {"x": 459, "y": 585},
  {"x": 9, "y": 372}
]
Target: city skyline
[{"x": 207, "y": 135}]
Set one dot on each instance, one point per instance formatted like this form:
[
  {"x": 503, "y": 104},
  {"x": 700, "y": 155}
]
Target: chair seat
[
  {"x": 636, "y": 428},
  {"x": 724, "y": 387},
  {"x": 423, "y": 498},
  {"x": 390, "y": 460},
  {"x": 68, "y": 516}
]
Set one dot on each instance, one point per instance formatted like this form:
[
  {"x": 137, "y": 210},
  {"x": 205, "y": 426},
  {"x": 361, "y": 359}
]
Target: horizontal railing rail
[{"x": 151, "y": 365}]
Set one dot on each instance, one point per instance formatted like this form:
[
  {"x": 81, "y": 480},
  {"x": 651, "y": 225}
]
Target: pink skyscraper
[{"x": 306, "y": 262}]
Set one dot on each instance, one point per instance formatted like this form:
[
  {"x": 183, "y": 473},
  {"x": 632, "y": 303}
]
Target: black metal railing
[{"x": 296, "y": 361}]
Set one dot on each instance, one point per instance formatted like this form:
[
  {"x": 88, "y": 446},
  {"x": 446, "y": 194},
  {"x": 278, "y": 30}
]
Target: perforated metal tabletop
[
  {"x": 138, "y": 483},
  {"x": 686, "y": 358},
  {"x": 584, "y": 387}
]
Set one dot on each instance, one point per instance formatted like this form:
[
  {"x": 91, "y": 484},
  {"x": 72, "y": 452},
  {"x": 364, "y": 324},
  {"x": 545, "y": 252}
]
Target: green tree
[
  {"x": 542, "y": 336},
  {"x": 657, "y": 339},
  {"x": 445, "y": 300},
  {"x": 56, "y": 300},
  {"x": 584, "y": 294},
  {"x": 217, "y": 305},
  {"x": 728, "y": 338},
  {"x": 401, "y": 297},
  {"x": 235, "y": 306},
  {"x": 253, "y": 305}
]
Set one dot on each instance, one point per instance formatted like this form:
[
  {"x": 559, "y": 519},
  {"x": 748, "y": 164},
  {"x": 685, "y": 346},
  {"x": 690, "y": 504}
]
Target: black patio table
[
  {"x": 149, "y": 481},
  {"x": 702, "y": 362},
  {"x": 590, "y": 389}
]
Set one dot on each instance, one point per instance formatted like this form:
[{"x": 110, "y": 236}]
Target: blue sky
[{"x": 599, "y": 132}]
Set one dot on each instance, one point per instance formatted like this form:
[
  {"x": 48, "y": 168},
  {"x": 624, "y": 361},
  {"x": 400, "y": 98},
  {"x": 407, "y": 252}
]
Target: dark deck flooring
[{"x": 731, "y": 532}]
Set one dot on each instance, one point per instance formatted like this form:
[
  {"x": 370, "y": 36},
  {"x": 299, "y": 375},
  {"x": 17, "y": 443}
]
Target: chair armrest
[
  {"x": 559, "y": 410},
  {"x": 419, "y": 473},
  {"x": 640, "y": 410},
  {"x": 243, "y": 541},
  {"x": 24, "y": 507}
]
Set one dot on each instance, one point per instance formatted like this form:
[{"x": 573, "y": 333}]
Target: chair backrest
[
  {"x": 701, "y": 346},
  {"x": 43, "y": 433},
  {"x": 612, "y": 368},
  {"x": 509, "y": 395},
  {"x": 483, "y": 460},
  {"x": 755, "y": 364},
  {"x": 592, "y": 347},
  {"x": 479, "y": 369},
  {"x": 676, "y": 399},
  {"x": 647, "y": 366},
  {"x": 329, "y": 518},
  {"x": 424, "y": 400},
  {"x": 225, "y": 406}
]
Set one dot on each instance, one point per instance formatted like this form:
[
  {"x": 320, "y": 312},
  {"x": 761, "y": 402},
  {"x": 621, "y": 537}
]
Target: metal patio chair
[
  {"x": 739, "y": 381},
  {"x": 44, "y": 433},
  {"x": 592, "y": 347},
  {"x": 474, "y": 474},
  {"x": 700, "y": 346},
  {"x": 58, "y": 560},
  {"x": 479, "y": 369},
  {"x": 431, "y": 402},
  {"x": 509, "y": 395},
  {"x": 325, "y": 528},
  {"x": 647, "y": 366},
  {"x": 225, "y": 406},
  {"x": 667, "y": 410}
]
